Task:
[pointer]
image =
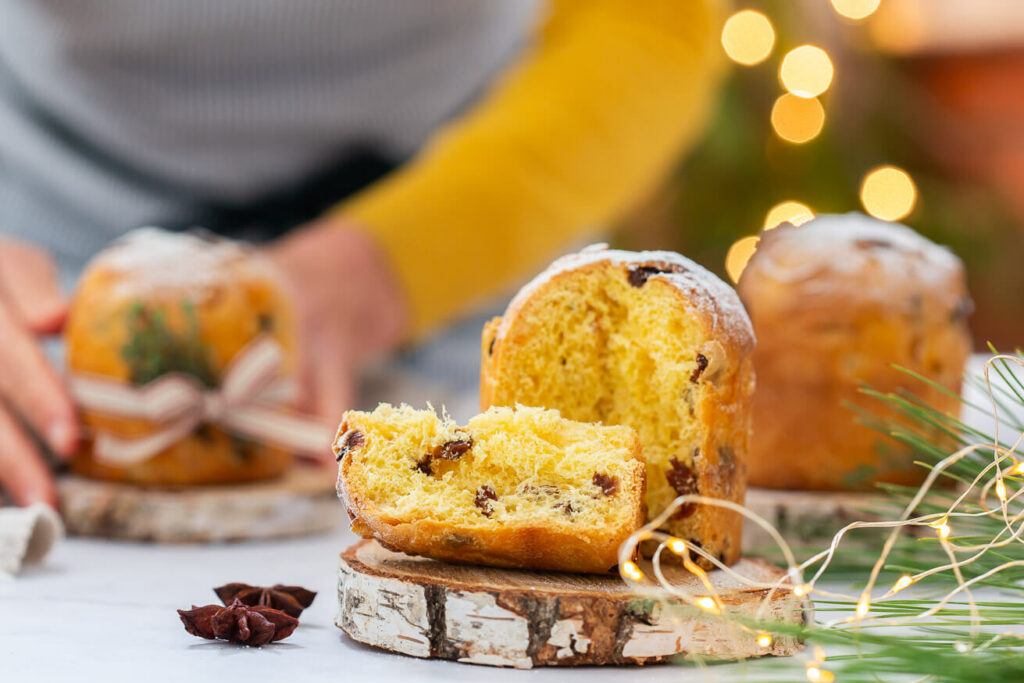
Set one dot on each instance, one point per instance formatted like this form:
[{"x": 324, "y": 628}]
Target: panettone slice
[{"x": 516, "y": 487}]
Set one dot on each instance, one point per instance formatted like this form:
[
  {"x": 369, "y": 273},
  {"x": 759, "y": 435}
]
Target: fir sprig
[
  {"x": 963, "y": 641},
  {"x": 155, "y": 349}
]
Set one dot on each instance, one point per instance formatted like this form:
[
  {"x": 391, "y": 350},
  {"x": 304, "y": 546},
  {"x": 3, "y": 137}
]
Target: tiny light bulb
[
  {"x": 677, "y": 545},
  {"x": 943, "y": 530},
  {"x": 902, "y": 583},
  {"x": 707, "y": 604},
  {"x": 863, "y": 605},
  {"x": 1001, "y": 490},
  {"x": 802, "y": 589},
  {"x": 815, "y": 674},
  {"x": 632, "y": 571},
  {"x": 764, "y": 640}
]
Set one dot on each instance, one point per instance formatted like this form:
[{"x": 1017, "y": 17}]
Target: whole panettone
[
  {"x": 835, "y": 303},
  {"x": 158, "y": 303},
  {"x": 649, "y": 340}
]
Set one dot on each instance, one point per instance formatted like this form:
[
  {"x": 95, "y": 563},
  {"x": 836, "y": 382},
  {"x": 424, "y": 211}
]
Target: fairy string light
[{"x": 996, "y": 476}]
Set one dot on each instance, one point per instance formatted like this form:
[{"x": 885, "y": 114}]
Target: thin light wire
[{"x": 991, "y": 476}]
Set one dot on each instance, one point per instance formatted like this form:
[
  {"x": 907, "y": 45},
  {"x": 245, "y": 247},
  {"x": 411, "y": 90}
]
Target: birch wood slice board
[
  {"x": 808, "y": 517},
  {"x": 505, "y": 617},
  {"x": 301, "y": 502}
]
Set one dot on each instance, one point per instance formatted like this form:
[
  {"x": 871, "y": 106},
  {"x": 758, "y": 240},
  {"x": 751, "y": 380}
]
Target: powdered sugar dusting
[
  {"x": 848, "y": 245},
  {"x": 705, "y": 291},
  {"x": 152, "y": 259}
]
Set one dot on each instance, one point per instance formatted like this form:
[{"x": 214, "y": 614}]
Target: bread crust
[
  {"x": 232, "y": 305},
  {"x": 725, "y": 399},
  {"x": 554, "y": 547}
]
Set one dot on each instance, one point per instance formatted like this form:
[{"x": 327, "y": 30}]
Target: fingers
[
  {"x": 334, "y": 385},
  {"x": 22, "y": 472},
  {"x": 28, "y": 279},
  {"x": 32, "y": 388},
  {"x": 328, "y": 392}
]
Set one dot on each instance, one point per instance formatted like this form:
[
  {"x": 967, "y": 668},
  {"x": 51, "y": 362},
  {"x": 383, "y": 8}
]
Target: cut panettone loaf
[
  {"x": 649, "y": 340},
  {"x": 518, "y": 487}
]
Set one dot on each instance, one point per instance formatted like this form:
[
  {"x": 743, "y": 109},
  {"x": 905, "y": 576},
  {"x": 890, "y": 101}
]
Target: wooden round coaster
[
  {"x": 808, "y": 517},
  {"x": 301, "y": 502},
  {"x": 507, "y": 617}
]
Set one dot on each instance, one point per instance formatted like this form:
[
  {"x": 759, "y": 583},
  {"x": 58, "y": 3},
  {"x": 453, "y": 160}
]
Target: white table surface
[{"x": 105, "y": 611}]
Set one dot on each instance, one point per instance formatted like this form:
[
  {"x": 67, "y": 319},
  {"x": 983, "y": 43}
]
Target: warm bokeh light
[
  {"x": 815, "y": 674},
  {"x": 797, "y": 119},
  {"x": 941, "y": 527},
  {"x": 888, "y": 193},
  {"x": 707, "y": 604},
  {"x": 748, "y": 37},
  {"x": 863, "y": 606},
  {"x": 855, "y": 9},
  {"x": 764, "y": 640},
  {"x": 677, "y": 545},
  {"x": 806, "y": 71},
  {"x": 900, "y": 26},
  {"x": 631, "y": 571},
  {"x": 739, "y": 253},
  {"x": 787, "y": 212},
  {"x": 902, "y": 583}
]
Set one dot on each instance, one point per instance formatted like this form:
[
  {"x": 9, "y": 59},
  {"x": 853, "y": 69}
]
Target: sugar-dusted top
[
  {"x": 148, "y": 260},
  {"x": 706, "y": 292},
  {"x": 833, "y": 249}
]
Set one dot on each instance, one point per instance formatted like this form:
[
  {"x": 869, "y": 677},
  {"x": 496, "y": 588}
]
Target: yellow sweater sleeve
[{"x": 586, "y": 121}]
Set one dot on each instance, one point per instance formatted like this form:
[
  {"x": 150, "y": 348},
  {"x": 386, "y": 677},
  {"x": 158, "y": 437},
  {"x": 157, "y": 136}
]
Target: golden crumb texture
[
  {"x": 647, "y": 340},
  {"x": 516, "y": 487}
]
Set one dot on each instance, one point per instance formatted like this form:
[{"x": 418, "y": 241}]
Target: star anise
[
  {"x": 289, "y": 599},
  {"x": 238, "y": 623}
]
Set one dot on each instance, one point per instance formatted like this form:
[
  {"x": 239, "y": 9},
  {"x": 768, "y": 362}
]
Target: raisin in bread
[
  {"x": 157, "y": 302},
  {"x": 835, "y": 303},
  {"x": 514, "y": 488},
  {"x": 649, "y": 340}
]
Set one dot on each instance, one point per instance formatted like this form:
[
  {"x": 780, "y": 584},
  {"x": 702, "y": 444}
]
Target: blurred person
[{"x": 430, "y": 153}]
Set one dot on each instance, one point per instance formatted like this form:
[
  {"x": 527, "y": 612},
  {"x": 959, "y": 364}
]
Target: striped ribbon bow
[{"x": 249, "y": 402}]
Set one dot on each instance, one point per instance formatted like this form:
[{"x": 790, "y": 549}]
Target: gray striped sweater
[{"x": 114, "y": 113}]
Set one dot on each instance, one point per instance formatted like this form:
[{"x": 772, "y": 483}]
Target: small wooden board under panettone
[
  {"x": 301, "y": 502},
  {"x": 506, "y": 617},
  {"x": 810, "y": 517}
]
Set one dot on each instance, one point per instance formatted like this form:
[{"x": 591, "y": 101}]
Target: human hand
[
  {"x": 349, "y": 308},
  {"x": 32, "y": 396}
]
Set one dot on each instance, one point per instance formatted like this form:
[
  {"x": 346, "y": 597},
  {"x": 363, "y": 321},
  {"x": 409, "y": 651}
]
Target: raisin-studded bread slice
[
  {"x": 516, "y": 487},
  {"x": 649, "y": 340}
]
